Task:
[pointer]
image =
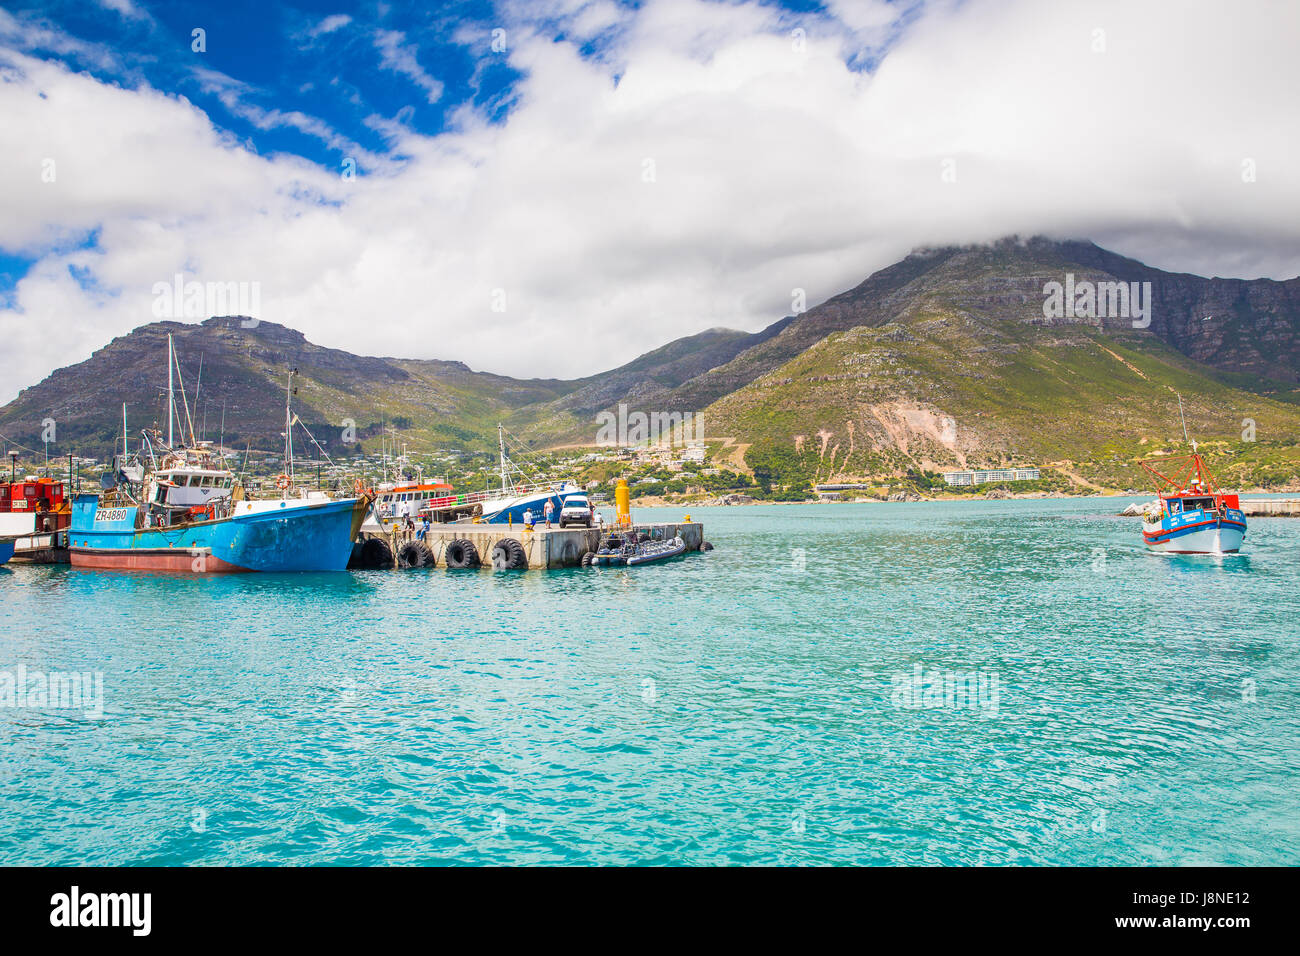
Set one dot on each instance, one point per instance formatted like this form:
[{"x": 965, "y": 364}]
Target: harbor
[{"x": 175, "y": 505}]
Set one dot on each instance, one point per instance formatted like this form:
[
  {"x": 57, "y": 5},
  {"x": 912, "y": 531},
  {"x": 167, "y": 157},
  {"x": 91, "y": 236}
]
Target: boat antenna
[{"x": 1184, "y": 421}]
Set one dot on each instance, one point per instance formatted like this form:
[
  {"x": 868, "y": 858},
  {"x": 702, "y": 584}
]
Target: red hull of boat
[{"x": 152, "y": 560}]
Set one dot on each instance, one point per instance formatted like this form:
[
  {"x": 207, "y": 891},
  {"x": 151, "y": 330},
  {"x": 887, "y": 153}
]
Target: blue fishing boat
[
  {"x": 181, "y": 509},
  {"x": 521, "y": 494},
  {"x": 301, "y": 534}
]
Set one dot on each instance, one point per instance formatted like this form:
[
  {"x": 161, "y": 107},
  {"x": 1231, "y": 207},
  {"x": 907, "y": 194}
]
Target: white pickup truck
[{"x": 575, "y": 509}]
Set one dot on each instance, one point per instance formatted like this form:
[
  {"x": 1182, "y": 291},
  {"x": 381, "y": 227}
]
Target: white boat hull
[{"x": 1221, "y": 539}]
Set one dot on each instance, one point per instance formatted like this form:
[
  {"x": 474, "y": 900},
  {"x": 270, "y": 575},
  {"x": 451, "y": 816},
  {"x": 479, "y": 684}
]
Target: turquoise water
[{"x": 745, "y": 706}]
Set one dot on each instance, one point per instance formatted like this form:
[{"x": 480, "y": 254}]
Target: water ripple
[{"x": 737, "y": 707}]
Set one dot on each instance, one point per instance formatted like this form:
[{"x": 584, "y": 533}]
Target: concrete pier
[
  {"x": 1270, "y": 508},
  {"x": 1274, "y": 508},
  {"x": 543, "y": 548}
]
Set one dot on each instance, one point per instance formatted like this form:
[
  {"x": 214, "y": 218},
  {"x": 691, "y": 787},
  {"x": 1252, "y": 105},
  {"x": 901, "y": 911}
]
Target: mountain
[
  {"x": 238, "y": 369},
  {"x": 947, "y": 358}
]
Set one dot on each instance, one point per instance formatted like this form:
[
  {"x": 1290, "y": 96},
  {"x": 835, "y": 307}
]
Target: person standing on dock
[{"x": 550, "y": 507}]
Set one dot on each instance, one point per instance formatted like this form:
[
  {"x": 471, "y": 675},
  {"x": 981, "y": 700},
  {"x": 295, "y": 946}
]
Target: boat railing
[{"x": 474, "y": 497}]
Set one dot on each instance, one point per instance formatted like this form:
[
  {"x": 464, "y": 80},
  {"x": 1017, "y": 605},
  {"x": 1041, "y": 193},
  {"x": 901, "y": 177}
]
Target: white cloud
[
  {"x": 397, "y": 55},
  {"x": 774, "y": 168},
  {"x": 234, "y": 95},
  {"x": 125, "y": 8},
  {"x": 35, "y": 35},
  {"x": 331, "y": 23}
]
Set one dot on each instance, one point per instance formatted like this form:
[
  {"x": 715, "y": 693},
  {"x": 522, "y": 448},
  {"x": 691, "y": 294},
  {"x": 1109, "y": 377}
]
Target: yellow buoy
[{"x": 623, "y": 502}]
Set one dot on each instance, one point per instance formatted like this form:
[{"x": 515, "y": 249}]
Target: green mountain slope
[
  {"x": 243, "y": 373},
  {"x": 939, "y": 390}
]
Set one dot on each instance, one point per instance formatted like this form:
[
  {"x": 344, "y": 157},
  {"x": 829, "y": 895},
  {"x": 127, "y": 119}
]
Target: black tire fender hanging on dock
[
  {"x": 415, "y": 554},
  {"x": 706, "y": 546},
  {"x": 462, "y": 554},
  {"x": 508, "y": 555},
  {"x": 373, "y": 554},
  {"x": 587, "y": 557}
]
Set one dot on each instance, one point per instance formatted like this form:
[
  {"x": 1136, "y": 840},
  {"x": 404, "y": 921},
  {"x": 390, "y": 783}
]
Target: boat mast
[
  {"x": 124, "y": 451},
  {"x": 288, "y": 425},
  {"x": 180, "y": 380},
  {"x": 171, "y": 394},
  {"x": 501, "y": 444}
]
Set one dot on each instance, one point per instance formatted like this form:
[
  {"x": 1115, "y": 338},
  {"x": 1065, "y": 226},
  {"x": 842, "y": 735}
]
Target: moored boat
[
  {"x": 631, "y": 548},
  {"x": 291, "y": 534},
  {"x": 33, "y": 514},
  {"x": 186, "y": 512},
  {"x": 650, "y": 552},
  {"x": 395, "y": 501},
  {"x": 527, "y": 495}
]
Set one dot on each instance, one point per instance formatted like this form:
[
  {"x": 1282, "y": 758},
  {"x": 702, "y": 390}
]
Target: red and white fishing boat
[
  {"x": 1191, "y": 515},
  {"x": 397, "y": 501},
  {"x": 33, "y": 512}
]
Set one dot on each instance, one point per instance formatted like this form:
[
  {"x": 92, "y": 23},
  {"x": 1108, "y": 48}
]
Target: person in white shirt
[{"x": 528, "y": 519}]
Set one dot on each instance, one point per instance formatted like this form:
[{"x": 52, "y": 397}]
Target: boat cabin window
[{"x": 1198, "y": 504}]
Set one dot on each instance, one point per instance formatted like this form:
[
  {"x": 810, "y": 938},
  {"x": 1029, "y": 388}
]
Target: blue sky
[
  {"x": 322, "y": 60},
  {"x": 617, "y": 173},
  {"x": 344, "y": 64}
]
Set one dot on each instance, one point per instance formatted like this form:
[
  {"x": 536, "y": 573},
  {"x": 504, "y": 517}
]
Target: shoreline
[{"x": 655, "y": 502}]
